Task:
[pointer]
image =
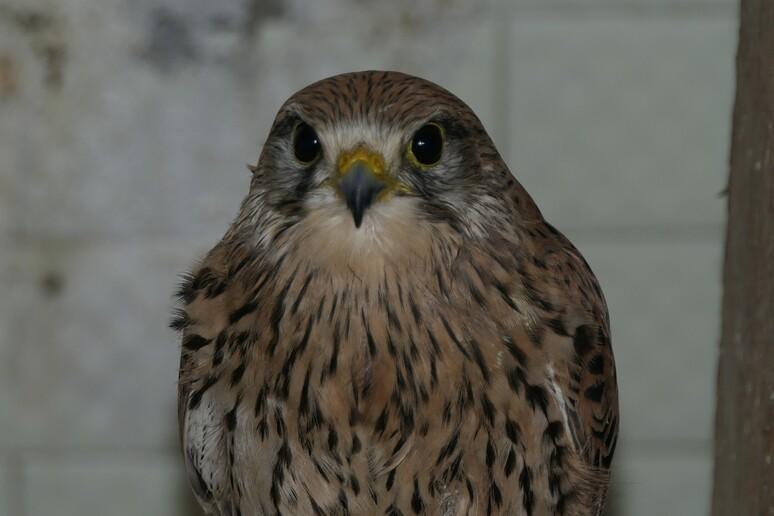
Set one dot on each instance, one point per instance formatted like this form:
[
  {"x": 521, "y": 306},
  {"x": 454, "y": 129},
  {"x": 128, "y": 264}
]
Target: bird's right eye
[
  {"x": 426, "y": 146},
  {"x": 306, "y": 144}
]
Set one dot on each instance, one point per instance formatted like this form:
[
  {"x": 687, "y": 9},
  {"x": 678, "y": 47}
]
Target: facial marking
[{"x": 373, "y": 157}]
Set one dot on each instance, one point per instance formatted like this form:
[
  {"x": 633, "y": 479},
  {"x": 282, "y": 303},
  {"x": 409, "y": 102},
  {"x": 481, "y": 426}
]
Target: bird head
[{"x": 378, "y": 160}]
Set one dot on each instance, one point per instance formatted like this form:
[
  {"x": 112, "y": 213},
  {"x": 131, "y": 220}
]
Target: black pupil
[
  {"x": 306, "y": 145},
  {"x": 427, "y": 144}
]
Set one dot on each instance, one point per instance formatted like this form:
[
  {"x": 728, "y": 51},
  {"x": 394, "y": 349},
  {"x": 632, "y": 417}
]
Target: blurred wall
[{"x": 125, "y": 127}]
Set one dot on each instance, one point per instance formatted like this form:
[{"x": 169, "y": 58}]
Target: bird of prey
[{"x": 389, "y": 326}]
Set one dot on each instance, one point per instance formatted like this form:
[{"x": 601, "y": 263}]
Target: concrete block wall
[{"x": 125, "y": 126}]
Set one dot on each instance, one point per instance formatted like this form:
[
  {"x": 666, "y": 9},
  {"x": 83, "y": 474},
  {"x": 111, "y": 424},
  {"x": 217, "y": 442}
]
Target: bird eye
[
  {"x": 427, "y": 145},
  {"x": 306, "y": 144}
]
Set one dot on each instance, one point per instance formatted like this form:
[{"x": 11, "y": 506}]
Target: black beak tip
[
  {"x": 360, "y": 189},
  {"x": 358, "y": 219}
]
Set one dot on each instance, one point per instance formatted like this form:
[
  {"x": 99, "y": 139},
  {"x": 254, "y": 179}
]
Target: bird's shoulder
[{"x": 572, "y": 316}]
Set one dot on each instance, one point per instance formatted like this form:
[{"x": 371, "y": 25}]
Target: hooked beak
[{"x": 361, "y": 180}]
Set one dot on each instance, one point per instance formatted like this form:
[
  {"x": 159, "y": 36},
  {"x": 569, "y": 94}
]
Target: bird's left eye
[
  {"x": 427, "y": 145},
  {"x": 306, "y": 144}
]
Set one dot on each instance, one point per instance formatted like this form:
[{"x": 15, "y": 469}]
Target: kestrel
[{"x": 390, "y": 326}]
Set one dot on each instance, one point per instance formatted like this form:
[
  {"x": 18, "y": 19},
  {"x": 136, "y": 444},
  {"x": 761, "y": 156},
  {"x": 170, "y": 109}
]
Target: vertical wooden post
[{"x": 744, "y": 426}]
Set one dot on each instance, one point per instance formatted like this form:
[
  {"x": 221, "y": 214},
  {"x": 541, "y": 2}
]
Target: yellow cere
[
  {"x": 375, "y": 163},
  {"x": 373, "y": 160}
]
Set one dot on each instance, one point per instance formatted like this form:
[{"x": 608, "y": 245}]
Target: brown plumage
[{"x": 391, "y": 327}]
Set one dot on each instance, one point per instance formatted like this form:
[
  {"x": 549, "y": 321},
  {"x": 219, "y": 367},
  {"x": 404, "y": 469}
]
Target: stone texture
[
  {"x": 108, "y": 484},
  {"x": 664, "y": 300},
  {"x": 91, "y": 361},
  {"x": 624, "y": 121},
  {"x": 432, "y": 10},
  {"x": 670, "y": 482},
  {"x": 126, "y": 169},
  {"x": 19, "y": 286},
  {"x": 386, "y": 13},
  {"x": 6, "y": 504},
  {"x": 22, "y": 74},
  {"x": 606, "y": 8}
]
